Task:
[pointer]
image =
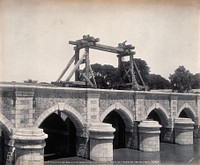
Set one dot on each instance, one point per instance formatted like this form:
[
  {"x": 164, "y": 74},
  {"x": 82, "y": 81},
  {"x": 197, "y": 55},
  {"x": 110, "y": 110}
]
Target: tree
[
  {"x": 157, "y": 82},
  {"x": 181, "y": 80},
  {"x": 196, "y": 81},
  {"x": 106, "y": 76},
  {"x": 30, "y": 81},
  {"x": 141, "y": 67}
]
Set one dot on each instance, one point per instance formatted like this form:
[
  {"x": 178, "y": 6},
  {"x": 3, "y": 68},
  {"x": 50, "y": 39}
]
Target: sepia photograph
[{"x": 99, "y": 82}]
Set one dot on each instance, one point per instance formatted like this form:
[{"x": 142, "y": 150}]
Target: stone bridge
[{"x": 78, "y": 115}]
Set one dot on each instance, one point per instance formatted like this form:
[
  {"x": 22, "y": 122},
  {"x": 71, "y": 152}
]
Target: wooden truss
[{"x": 86, "y": 77}]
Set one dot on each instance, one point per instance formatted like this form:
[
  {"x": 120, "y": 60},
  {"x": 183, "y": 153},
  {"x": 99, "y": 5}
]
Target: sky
[{"x": 34, "y": 34}]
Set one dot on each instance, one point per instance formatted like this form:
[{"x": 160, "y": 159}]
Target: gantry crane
[{"x": 86, "y": 78}]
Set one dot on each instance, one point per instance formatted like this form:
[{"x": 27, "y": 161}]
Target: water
[{"x": 168, "y": 154}]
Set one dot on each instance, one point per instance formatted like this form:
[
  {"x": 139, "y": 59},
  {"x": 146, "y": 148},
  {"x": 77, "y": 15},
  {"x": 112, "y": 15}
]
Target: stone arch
[
  {"x": 188, "y": 110},
  {"x": 123, "y": 112},
  {"x": 76, "y": 117},
  {"x": 161, "y": 112},
  {"x": 6, "y": 125}
]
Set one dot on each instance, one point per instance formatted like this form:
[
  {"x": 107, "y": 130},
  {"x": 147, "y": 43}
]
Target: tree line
[{"x": 182, "y": 80}]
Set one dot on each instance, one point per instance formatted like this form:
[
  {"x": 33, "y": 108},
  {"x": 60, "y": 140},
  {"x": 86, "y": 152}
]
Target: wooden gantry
[{"x": 85, "y": 77}]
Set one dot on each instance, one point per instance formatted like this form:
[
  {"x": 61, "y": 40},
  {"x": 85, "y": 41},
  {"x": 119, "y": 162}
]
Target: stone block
[
  {"x": 149, "y": 135},
  {"x": 29, "y": 144},
  {"x": 183, "y": 131},
  {"x": 101, "y": 142}
]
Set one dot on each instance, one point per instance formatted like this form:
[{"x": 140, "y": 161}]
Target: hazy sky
[{"x": 34, "y": 34}]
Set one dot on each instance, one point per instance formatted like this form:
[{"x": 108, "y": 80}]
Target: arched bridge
[{"x": 70, "y": 112}]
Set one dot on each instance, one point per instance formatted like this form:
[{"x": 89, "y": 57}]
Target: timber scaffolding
[{"x": 86, "y": 78}]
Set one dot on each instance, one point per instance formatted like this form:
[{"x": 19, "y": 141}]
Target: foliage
[
  {"x": 196, "y": 81},
  {"x": 181, "y": 80},
  {"x": 30, "y": 81},
  {"x": 106, "y": 76},
  {"x": 142, "y": 68},
  {"x": 157, "y": 82}
]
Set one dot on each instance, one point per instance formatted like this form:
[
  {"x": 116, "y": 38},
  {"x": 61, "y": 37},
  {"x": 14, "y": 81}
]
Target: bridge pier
[
  {"x": 149, "y": 139},
  {"x": 129, "y": 138},
  {"x": 9, "y": 151},
  {"x": 197, "y": 124},
  {"x": 101, "y": 142},
  {"x": 82, "y": 143},
  {"x": 168, "y": 132},
  {"x": 29, "y": 146},
  {"x": 183, "y": 132},
  {"x": 28, "y": 105}
]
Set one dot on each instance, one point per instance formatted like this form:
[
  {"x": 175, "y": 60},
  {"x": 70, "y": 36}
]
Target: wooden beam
[
  {"x": 93, "y": 77},
  {"x": 139, "y": 74},
  {"x": 87, "y": 62},
  {"x": 133, "y": 79},
  {"x": 77, "y": 74},
  {"x": 66, "y": 68},
  {"x": 88, "y": 80},
  {"x": 111, "y": 49},
  {"x": 75, "y": 67}
]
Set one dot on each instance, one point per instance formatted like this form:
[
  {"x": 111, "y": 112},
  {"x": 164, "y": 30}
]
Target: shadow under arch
[
  {"x": 122, "y": 120},
  {"x": 5, "y": 135},
  {"x": 122, "y": 111},
  {"x": 158, "y": 113},
  {"x": 186, "y": 111},
  {"x": 74, "y": 115},
  {"x": 63, "y": 133}
]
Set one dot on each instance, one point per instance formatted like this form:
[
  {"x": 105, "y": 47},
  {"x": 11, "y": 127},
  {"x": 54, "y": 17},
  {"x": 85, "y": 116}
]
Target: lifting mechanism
[{"x": 85, "y": 77}]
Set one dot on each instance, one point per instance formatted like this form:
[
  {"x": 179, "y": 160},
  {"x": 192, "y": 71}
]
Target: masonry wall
[
  {"x": 108, "y": 98},
  {"x": 21, "y": 113},
  {"x": 7, "y": 103},
  {"x": 47, "y": 98}
]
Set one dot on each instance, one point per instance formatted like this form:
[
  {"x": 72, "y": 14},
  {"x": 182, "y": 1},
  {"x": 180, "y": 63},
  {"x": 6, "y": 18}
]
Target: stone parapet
[
  {"x": 183, "y": 131},
  {"x": 101, "y": 142},
  {"x": 29, "y": 146},
  {"x": 149, "y": 136}
]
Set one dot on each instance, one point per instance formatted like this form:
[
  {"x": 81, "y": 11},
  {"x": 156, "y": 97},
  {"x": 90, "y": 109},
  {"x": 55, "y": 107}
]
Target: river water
[{"x": 168, "y": 154}]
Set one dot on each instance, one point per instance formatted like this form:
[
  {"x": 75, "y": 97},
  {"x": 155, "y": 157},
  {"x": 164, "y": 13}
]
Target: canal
[{"x": 169, "y": 154}]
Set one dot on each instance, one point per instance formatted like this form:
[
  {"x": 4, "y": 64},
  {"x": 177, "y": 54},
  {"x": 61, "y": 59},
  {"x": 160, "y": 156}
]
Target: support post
[
  {"x": 77, "y": 74},
  {"x": 87, "y": 64},
  {"x": 133, "y": 79},
  {"x": 119, "y": 65},
  {"x": 29, "y": 146}
]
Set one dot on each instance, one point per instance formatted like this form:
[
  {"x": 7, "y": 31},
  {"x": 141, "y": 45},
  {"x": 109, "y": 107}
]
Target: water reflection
[{"x": 169, "y": 154}]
